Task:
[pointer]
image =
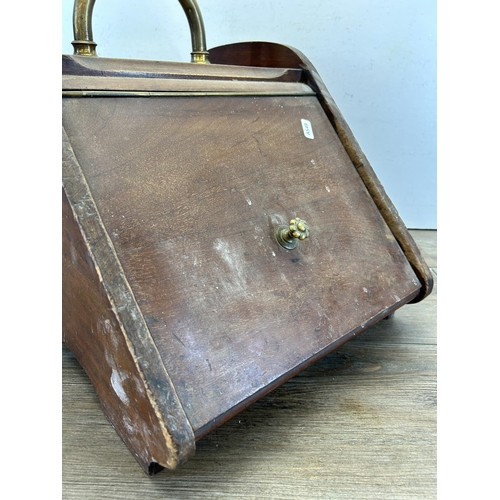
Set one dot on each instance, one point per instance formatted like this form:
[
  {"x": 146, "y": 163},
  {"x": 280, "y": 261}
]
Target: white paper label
[{"x": 307, "y": 128}]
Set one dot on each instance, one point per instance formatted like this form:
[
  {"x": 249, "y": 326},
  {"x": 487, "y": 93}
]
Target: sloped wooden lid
[{"x": 190, "y": 190}]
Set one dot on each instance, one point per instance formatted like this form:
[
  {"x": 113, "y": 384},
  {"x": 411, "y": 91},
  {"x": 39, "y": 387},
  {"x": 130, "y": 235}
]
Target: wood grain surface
[
  {"x": 190, "y": 192},
  {"x": 359, "y": 424},
  {"x": 281, "y": 56}
]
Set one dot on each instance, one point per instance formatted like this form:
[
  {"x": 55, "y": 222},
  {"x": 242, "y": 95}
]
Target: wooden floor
[{"x": 359, "y": 424}]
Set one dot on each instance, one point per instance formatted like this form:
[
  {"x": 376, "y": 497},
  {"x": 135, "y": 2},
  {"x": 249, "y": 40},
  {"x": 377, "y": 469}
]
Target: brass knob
[{"x": 289, "y": 236}]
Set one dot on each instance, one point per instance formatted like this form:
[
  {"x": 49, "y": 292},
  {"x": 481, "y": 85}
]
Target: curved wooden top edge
[{"x": 268, "y": 54}]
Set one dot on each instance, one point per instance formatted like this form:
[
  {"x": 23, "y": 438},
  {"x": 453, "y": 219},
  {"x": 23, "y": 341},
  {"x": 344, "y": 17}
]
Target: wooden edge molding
[
  {"x": 112, "y": 85},
  {"x": 281, "y": 56},
  {"x": 134, "y": 68},
  {"x": 105, "y": 330}
]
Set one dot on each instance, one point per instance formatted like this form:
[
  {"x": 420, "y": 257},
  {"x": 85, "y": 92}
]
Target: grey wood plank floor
[{"x": 359, "y": 424}]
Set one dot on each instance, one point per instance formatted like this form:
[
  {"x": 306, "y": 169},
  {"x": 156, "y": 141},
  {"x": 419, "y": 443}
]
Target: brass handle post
[
  {"x": 289, "y": 236},
  {"x": 198, "y": 38},
  {"x": 84, "y": 44}
]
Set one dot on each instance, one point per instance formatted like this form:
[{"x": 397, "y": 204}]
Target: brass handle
[
  {"x": 84, "y": 44},
  {"x": 289, "y": 236}
]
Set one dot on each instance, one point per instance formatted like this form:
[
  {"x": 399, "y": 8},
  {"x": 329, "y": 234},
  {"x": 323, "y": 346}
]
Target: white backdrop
[{"x": 377, "y": 58}]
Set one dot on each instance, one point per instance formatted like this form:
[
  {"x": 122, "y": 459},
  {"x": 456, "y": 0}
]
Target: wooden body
[{"x": 178, "y": 301}]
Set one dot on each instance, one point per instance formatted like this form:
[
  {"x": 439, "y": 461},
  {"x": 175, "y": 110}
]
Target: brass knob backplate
[{"x": 289, "y": 236}]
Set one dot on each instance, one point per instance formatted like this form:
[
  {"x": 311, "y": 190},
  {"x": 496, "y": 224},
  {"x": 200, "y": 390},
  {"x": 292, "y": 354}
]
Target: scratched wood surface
[
  {"x": 359, "y": 424},
  {"x": 190, "y": 191}
]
